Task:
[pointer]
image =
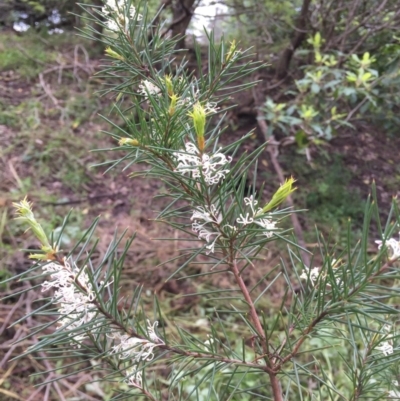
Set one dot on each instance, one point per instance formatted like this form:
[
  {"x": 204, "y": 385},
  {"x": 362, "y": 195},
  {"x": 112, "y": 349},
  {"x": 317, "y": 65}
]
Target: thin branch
[
  {"x": 133, "y": 333},
  {"x": 327, "y": 311},
  {"x": 271, "y": 370}
]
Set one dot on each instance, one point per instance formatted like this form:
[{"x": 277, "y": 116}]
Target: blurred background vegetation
[{"x": 327, "y": 103}]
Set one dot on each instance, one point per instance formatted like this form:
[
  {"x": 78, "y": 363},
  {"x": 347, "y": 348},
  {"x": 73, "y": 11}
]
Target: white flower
[
  {"x": 182, "y": 102},
  {"x": 203, "y": 217},
  {"x": 109, "y": 6},
  {"x": 386, "y": 348},
  {"x": 207, "y": 215},
  {"x": 392, "y": 245},
  {"x": 114, "y": 12},
  {"x": 133, "y": 377},
  {"x": 394, "y": 394},
  {"x": 312, "y": 273},
  {"x": 117, "y": 7},
  {"x": 250, "y": 201},
  {"x": 211, "y": 107},
  {"x": 75, "y": 305},
  {"x": 112, "y": 25},
  {"x": 268, "y": 225},
  {"x": 151, "y": 328},
  {"x": 211, "y": 246},
  {"x": 245, "y": 220},
  {"x": 134, "y": 14},
  {"x": 208, "y": 343},
  {"x": 134, "y": 348},
  {"x": 202, "y": 165},
  {"x": 204, "y": 233},
  {"x": 211, "y": 216},
  {"x": 148, "y": 88}
]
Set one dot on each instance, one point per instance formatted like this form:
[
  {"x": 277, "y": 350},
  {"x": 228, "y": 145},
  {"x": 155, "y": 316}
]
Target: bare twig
[
  {"x": 77, "y": 65},
  {"x": 86, "y": 199},
  {"x": 48, "y": 91},
  {"x": 19, "y": 333},
  {"x": 10, "y": 315}
]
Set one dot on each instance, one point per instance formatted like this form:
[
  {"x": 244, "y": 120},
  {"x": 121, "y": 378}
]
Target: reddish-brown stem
[
  {"x": 275, "y": 385},
  {"x": 249, "y": 300},
  {"x": 302, "y": 339}
]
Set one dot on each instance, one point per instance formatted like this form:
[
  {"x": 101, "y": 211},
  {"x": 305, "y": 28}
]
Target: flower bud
[
  {"x": 231, "y": 52},
  {"x": 110, "y": 52},
  {"x": 47, "y": 255},
  {"x": 168, "y": 85},
  {"x": 25, "y": 214},
  {"x": 128, "y": 141},
  {"x": 172, "y": 105},
  {"x": 199, "y": 121},
  {"x": 280, "y": 195}
]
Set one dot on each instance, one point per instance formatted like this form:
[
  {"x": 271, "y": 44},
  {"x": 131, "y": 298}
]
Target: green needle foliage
[{"x": 334, "y": 335}]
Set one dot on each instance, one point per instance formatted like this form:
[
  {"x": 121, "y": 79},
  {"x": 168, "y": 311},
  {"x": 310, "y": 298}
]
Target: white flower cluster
[
  {"x": 201, "y": 218},
  {"x": 393, "y": 246},
  {"x": 148, "y": 88},
  {"x": 312, "y": 273},
  {"x": 209, "y": 107},
  {"x": 202, "y": 165},
  {"x": 75, "y": 306},
  {"x": 117, "y": 15},
  {"x": 315, "y": 272},
  {"x": 386, "y": 347},
  {"x": 133, "y": 377},
  {"x": 268, "y": 224},
  {"x": 136, "y": 350},
  {"x": 207, "y": 219}
]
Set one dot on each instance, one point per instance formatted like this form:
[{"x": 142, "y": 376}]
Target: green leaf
[{"x": 315, "y": 88}]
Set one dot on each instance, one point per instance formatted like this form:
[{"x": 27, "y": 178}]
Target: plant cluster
[
  {"x": 344, "y": 303},
  {"x": 329, "y": 96},
  {"x": 336, "y": 64}
]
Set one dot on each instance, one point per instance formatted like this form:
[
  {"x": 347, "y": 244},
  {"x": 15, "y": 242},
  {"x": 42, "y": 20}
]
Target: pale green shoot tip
[
  {"x": 280, "y": 195},
  {"x": 24, "y": 213}
]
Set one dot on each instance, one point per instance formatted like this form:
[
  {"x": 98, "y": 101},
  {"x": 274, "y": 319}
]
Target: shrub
[{"x": 339, "y": 310}]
